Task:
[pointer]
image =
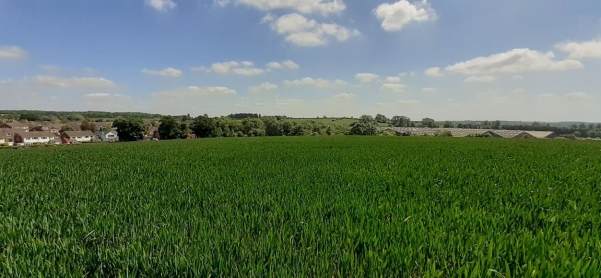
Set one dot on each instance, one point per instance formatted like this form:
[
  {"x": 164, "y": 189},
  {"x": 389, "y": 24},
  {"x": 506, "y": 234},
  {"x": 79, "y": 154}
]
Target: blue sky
[{"x": 455, "y": 60}]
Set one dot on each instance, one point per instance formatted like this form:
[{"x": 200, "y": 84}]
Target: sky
[{"x": 536, "y": 60}]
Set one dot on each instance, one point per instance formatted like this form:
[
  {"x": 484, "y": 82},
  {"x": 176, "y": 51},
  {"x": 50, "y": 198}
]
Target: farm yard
[{"x": 303, "y": 206}]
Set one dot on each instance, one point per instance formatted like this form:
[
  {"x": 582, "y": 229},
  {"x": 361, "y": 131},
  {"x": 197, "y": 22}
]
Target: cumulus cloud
[
  {"x": 434, "y": 72},
  {"x": 581, "y": 50},
  {"x": 344, "y": 96},
  {"x": 393, "y": 79},
  {"x": 393, "y": 87},
  {"x": 194, "y": 91},
  {"x": 577, "y": 96},
  {"x": 265, "y": 87},
  {"x": 513, "y": 62},
  {"x": 289, "y": 64},
  {"x": 240, "y": 68},
  {"x": 171, "y": 72},
  {"x": 319, "y": 82},
  {"x": 397, "y": 15},
  {"x": 479, "y": 79},
  {"x": 76, "y": 82},
  {"x": 323, "y": 7},
  {"x": 366, "y": 77},
  {"x": 161, "y": 5},
  {"x": 428, "y": 90},
  {"x": 301, "y": 31},
  {"x": 12, "y": 53}
]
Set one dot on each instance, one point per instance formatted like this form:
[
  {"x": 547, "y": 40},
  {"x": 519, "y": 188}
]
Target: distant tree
[
  {"x": 400, "y": 121},
  {"x": 381, "y": 118},
  {"x": 186, "y": 118},
  {"x": 203, "y": 126},
  {"x": 363, "y": 129},
  {"x": 185, "y": 130},
  {"x": 66, "y": 128},
  {"x": 86, "y": 125},
  {"x": 366, "y": 119},
  {"x": 448, "y": 124},
  {"x": 427, "y": 122},
  {"x": 130, "y": 129},
  {"x": 253, "y": 127},
  {"x": 577, "y": 133},
  {"x": 170, "y": 128},
  {"x": 75, "y": 117},
  {"x": 496, "y": 124}
]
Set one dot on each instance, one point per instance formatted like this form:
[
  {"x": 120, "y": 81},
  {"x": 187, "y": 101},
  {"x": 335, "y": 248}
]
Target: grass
[{"x": 303, "y": 206}]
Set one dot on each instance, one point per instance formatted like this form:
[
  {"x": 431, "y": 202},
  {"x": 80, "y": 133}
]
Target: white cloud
[
  {"x": 402, "y": 74},
  {"x": 393, "y": 79},
  {"x": 395, "y": 16},
  {"x": 193, "y": 91},
  {"x": 12, "y": 52},
  {"x": 240, "y": 68},
  {"x": 269, "y": 17},
  {"x": 166, "y": 72},
  {"x": 301, "y": 31},
  {"x": 224, "y": 67},
  {"x": 344, "y": 96},
  {"x": 514, "y": 61},
  {"x": 76, "y": 82},
  {"x": 290, "y": 64},
  {"x": 366, "y": 77},
  {"x": 275, "y": 65},
  {"x": 479, "y": 79},
  {"x": 265, "y": 87},
  {"x": 323, "y": 7},
  {"x": 518, "y": 77},
  {"x": 408, "y": 102},
  {"x": 319, "y": 83},
  {"x": 577, "y": 96},
  {"x": 248, "y": 71},
  {"x": 434, "y": 72},
  {"x": 428, "y": 90},
  {"x": 161, "y": 5},
  {"x": 393, "y": 87},
  {"x": 581, "y": 50}
]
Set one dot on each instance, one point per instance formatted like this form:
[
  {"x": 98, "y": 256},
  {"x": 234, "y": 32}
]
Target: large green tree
[
  {"x": 170, "y": 128},
  {"x": 203, "y": 126},
  {"x": 130, "y": 129}
]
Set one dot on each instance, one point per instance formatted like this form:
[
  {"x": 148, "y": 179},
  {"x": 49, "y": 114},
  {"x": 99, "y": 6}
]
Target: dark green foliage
[
  {"x": 66, "y": 128},
  {"x": 170, "y": 128},
  {"x": 203, "y": 127},
  {"x": 427, "y": 122},
  {"x": 130, "y": 129},
  {"x": 443, "y": 133},
  {"x": 363, "y": 129},
  {"x": 303, "y": 206}
]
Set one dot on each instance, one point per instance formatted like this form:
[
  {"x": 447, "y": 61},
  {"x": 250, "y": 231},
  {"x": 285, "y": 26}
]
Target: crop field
[{"x": 303, "y": 206}]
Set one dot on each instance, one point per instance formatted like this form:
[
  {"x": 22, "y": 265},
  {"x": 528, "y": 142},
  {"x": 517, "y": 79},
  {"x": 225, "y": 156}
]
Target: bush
[
  {"x": 480, "y": 135},
  {"x": 443, "y": 133}
]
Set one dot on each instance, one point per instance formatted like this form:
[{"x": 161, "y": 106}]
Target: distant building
[
  {"x": 70, "y": 137},
  {"x": 16, "y": 125},
  {"x": 107, "y": 136},
  {"x": 33, "y": 138}
]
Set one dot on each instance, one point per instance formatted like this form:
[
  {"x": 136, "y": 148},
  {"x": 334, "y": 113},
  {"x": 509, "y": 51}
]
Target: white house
[
  {"x": 107, "y": 136},
  {"x": 69, "y": 137},
  {"x": 34, "y": 137}
]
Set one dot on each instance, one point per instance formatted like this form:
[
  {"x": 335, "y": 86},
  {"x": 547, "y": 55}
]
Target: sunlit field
[{"x": 303, "y": 206}]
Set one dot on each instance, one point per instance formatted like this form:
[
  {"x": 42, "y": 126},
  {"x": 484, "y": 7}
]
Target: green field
[{"x": 303, "y": 206}]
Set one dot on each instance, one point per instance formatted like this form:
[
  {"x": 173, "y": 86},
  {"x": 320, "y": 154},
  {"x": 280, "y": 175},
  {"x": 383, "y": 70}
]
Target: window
[
  {"x": 87, "y": 136},
  {"x": 110, "y": 136},
  {"x": 35, "y": 138},
  {"x": 44, "y": 138}
]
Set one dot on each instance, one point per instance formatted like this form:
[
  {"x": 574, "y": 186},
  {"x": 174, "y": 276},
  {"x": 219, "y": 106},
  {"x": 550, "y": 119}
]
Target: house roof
[
  {"x": 36, "y": 134},
  {"x": 17, "y": 124},
  {"x": 79, "y": 133},
  {"x": 5, "y": 131},
  {"x": 100, "y": 132}
]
